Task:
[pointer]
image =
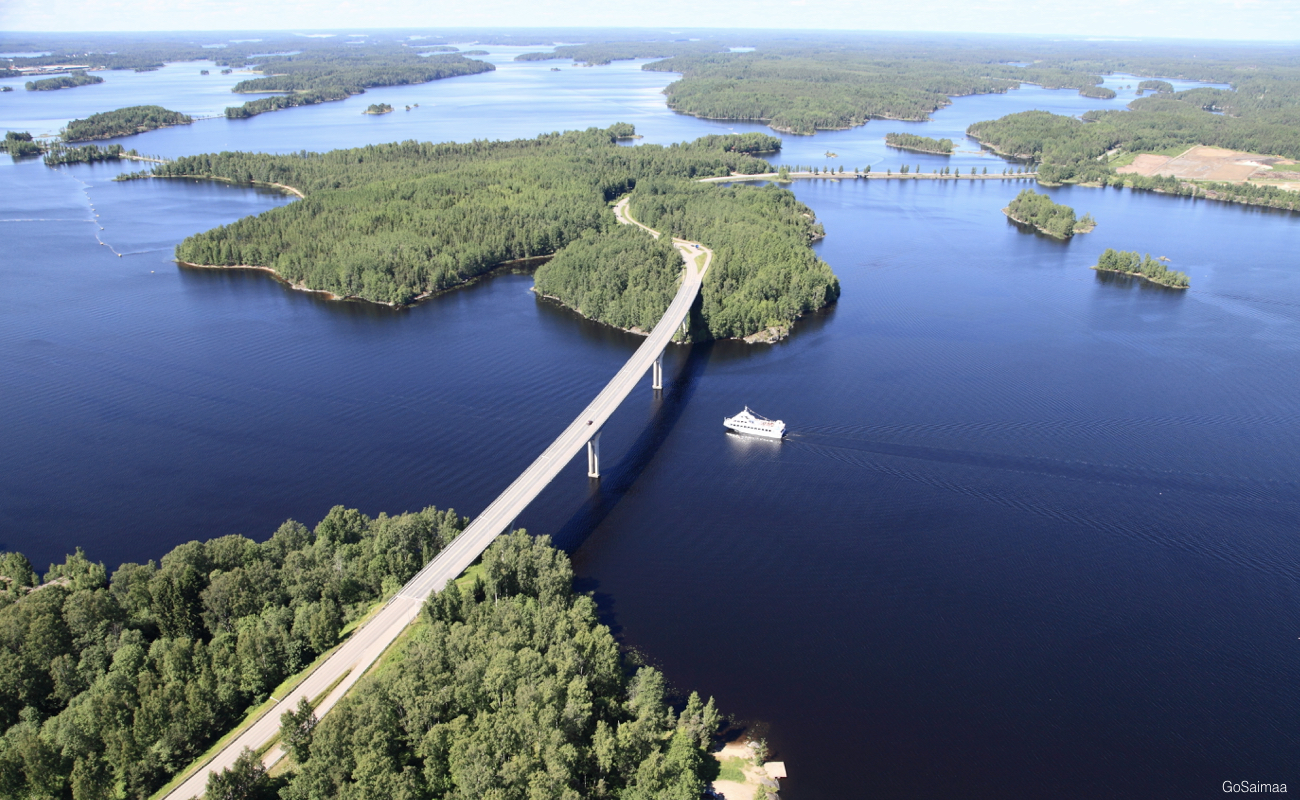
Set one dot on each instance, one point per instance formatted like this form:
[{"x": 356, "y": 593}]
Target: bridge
[{"x": 338, "y": 673}]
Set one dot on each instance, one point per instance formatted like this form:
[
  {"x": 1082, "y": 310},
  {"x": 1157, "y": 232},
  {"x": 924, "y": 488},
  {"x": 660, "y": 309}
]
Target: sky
[{"x": 1197, "y": 19}]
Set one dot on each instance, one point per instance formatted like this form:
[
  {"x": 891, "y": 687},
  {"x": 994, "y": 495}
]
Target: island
[
  {"x": 380, "y": 108},
  {"x": 20, "y": 144},
  {"x": 1160, "y": 87},
  {"x": 123, "y": 122},
  {"x": 396, "y": 223},
  {"x": 6, "y": 88},
  {"x": 1038, "y": 211},
  {"x": 1149, "y": 269},
  {"x": 1098, "y": 92},
  {"x": 69, "y": 81},
  {"x": 88, "y": 154},
  {"x": 921, "y": 144}
]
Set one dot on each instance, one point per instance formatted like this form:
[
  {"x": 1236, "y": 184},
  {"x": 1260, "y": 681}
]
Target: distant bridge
[{"x": 345, "y": 667}]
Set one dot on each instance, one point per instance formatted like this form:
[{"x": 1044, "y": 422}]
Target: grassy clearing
[
  {"x": 733, "y": 769},
  {"x": 1286, "y": 167},
  {"x": 1123, "y": 160}
]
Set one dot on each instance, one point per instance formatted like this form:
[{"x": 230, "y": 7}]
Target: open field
[{"x": 1206, "y": 164}]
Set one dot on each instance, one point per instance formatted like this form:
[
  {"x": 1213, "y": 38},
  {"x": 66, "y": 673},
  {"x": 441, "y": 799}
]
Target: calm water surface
[{"x": 1033, "y": 532}]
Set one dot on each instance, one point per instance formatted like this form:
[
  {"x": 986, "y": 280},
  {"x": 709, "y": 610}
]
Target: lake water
[{"x": 1033, "y": 532}]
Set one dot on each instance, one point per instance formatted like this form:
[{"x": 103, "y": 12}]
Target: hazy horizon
[{"x": 1212, "y": 20}]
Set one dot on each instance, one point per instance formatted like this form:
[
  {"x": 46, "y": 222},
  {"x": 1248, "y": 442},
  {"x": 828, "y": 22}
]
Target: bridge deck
[{"x": 368, "y": 642}]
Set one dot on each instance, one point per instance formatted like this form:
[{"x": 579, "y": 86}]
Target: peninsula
[
  {"x": 397, "y": 223},
  {"x": 151, "y": 663}
]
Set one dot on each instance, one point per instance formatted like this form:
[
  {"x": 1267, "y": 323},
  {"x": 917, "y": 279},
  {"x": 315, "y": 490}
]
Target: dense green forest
[
  {"x": 1132, "y": 263},
  {"x": 111, "y": 684},
  {"x": 87, "y": 154},
  {"x": 123, "y": 122},
  {"x": 921, "y": 144},
  {"x": 19, "y": 144},
  {"x": 391, "y": 223},
  {"x": 764, "y": 276},
  {"x": 320, "y": 76},
  {"x": 1038, "y": 210},
  {"x": 507, "y": 688},
  {"x": 69, "y": 81},
  {"x": 621, "y": 276}
]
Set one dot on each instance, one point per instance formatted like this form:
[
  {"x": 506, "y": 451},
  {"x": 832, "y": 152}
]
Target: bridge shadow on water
[{"x": 618, "y": 478}]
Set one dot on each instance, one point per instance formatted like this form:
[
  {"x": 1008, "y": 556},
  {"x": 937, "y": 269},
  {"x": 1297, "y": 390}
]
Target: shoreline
[
  {"x": 333, "y": 297},
  {"x": 1096, "y": 268},
  {"x": 878, "y": 176},
  {"x": 282, "y": 187}
]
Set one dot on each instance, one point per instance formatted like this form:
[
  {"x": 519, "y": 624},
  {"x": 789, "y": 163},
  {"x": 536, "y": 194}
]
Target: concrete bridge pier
[
  {"x": 593, "y": 456},
  {"x": 657, "y": 372}
]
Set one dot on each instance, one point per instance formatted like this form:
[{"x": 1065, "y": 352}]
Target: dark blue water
[{"x": 1033, "y": 532}]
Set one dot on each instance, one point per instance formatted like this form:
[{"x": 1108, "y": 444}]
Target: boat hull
[{"x": 757, "y": 433}]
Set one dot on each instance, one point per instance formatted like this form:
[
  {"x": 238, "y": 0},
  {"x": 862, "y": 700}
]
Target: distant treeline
[
  {"x": 1132, "y": 263},
  {"x": 123, "y": 122},
  {"x": 607, "y": 52},
  {"x": 73, "y": 79},
  {"x": 1038, "y": 210},
  {"x": 109, "y": 685},
  {"x": 391, "y": 223},
  {"x": 318, "y": 77},
  {"x": 922, "y": 144}
]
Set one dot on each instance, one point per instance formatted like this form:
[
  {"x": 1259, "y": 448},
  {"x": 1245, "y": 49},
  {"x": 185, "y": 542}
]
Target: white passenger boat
[{"x": 748, "y": 422}]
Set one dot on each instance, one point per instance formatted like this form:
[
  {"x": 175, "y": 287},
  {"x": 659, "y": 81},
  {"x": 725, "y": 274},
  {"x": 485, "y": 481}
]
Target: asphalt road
[{"x": 368, "y": 642}]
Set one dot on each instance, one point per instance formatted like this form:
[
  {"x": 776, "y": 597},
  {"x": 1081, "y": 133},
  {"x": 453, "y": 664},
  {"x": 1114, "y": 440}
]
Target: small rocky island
[
  {"x": 920, "y": 144},
  {"x": 1127, "y": 262},
  {"x": 378, "y": 108},
  {"x": 1054, "y": 219}
]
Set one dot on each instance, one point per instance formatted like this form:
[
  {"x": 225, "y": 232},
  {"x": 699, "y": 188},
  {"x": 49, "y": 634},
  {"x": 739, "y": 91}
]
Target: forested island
[
  {"x": 378, "y": 108},
  {"x": 318, "y": 76},
  {"x": 1158, "y": 86},
  {"x": 69, "y": 81},
  {"x": 1038, "y": 211},
  {"x": 921, "y": 144},
  {"x": 20, "y": 144},
  {"x": 87, "y": 154},
  {"x": 395, "y": 223},
  {"x": 1132, "y": 263},
  {"x": 1098, "y": 92},
  {"x": 112, "y": 683},
  {"x": 123, "y": 122}
]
